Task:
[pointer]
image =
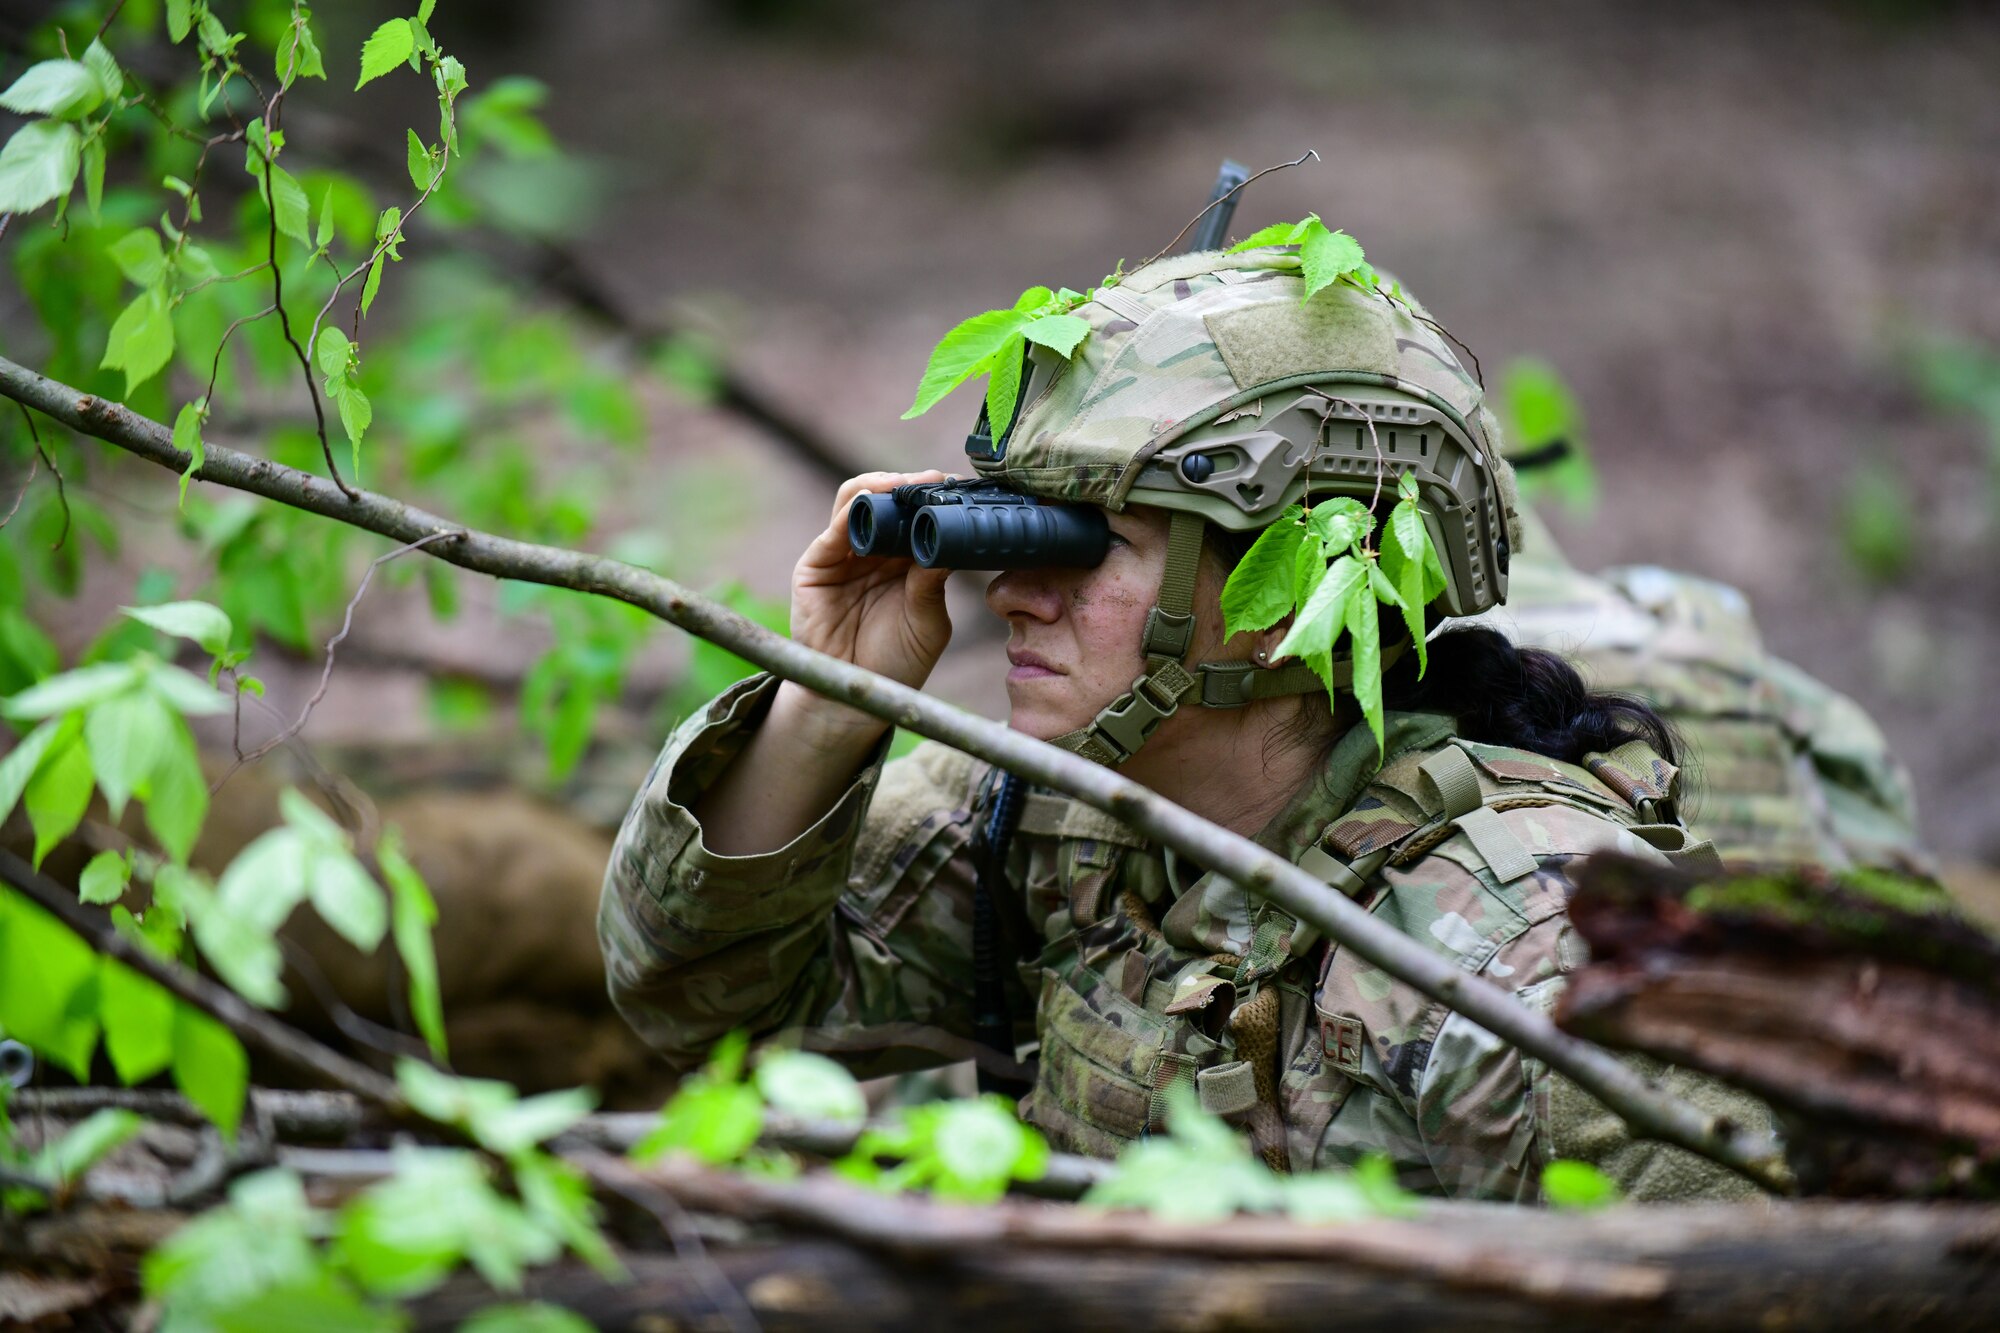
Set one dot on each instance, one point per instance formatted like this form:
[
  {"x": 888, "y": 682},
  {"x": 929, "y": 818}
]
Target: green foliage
[
  {"x": 1287, "y": 572},
  {"x": 1539, "y": 412},
  {"x": 1325, "y": 256},
  {"x": 1577, "y": 1185},
  {"x": 1878, "y": 523},
  {"x": 714, "y": 1117},
  {"x": 496, "y": 1117},
  {"x": 966, "y": 1151},
  {"x": 811, "y": 1087},
  {"x": 64, "y": 1162},
  {"x": 1203, "y": 1171},
  {"x": 412, "y": 913},
  {"x": 992, "y": 344}
]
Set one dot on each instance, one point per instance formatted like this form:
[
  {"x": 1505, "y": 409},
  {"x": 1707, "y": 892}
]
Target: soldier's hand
[{"x": 887, "y": 615}]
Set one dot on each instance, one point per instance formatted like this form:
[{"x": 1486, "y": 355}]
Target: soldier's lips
[{"x": 1029, "y": 666}]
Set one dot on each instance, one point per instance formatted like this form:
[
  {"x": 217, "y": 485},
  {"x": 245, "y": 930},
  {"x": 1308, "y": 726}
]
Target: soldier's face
[{"x": 1075, "y": 638}]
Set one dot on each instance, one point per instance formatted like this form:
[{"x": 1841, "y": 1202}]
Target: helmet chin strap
[{"x": 1127, "y": 722}]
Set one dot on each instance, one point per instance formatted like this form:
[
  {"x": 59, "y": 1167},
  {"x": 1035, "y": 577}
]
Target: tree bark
[{"x": 1870, "y": 1022}]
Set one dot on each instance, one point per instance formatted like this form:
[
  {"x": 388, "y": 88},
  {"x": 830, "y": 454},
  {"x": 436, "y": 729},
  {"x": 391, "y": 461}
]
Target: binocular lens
[
  {"x": 1009, "y": 536},
  {"x": 876, "y": 525}
]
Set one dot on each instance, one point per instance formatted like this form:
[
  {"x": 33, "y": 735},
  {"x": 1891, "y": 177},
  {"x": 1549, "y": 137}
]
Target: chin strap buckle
[{"x": 1132, "y": 718}]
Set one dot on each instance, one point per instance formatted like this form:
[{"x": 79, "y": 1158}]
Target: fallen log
[{"x": 1867, "y": 1012}]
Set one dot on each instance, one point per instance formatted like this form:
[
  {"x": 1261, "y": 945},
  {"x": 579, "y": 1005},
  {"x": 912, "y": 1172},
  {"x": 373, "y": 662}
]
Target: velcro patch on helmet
[{"x": 1272, "y": 341}]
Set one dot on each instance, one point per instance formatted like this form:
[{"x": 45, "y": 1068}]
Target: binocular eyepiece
[{"x": 976, "y": 525}]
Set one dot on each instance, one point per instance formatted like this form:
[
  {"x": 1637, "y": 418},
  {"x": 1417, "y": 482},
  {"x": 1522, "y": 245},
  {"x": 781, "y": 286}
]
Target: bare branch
[
  {"x": 1649, "y": 1112},
  {"x": 62, "y": 492},
  {"x": 326, "y": 672}
]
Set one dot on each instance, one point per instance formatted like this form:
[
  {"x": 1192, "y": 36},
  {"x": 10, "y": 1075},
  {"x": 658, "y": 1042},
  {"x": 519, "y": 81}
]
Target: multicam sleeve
[{"x": 856, "y": 931}]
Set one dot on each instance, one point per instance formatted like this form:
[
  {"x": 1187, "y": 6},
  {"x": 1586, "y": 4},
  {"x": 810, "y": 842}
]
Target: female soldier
[{"x": 775, "y": 874}]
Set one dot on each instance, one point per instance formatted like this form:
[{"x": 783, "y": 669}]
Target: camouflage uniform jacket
[{"x": 1139, "y": 972}]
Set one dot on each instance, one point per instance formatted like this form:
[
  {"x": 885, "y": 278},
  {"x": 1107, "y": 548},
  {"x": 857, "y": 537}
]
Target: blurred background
[{"x": 1759, "y": 244}]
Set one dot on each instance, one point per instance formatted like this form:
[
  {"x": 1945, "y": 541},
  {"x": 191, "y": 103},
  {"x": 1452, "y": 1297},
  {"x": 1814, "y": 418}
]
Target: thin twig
[
  {"x": 326, "y": 672},
  {"x": 215, "y": 369},
  {"x": 1170, "y": 245},
  {"x": 680, "y": 1229},
  {"x": 34, "y": 466},
  {"x": 109, "y": 19},
  {"x": 1651, "y": 1112},
  {"x": 285, "y": 319},
  {"x": 361, "y": 1031},
  {"x": 62, "y": 491},
  {"x": 1381, "y": 463},
  {"x": 382, "y": 247}
]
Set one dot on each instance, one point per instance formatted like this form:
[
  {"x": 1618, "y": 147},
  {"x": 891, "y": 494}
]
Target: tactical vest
[{"x": 1125, "y": 1015}]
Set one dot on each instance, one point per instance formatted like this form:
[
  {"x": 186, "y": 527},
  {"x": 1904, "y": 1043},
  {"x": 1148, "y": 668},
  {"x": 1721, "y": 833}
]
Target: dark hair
[{"x": 1500, "y": 694}]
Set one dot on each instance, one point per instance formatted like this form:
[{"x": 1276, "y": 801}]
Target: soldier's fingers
[{"x": 873, "y": 481}]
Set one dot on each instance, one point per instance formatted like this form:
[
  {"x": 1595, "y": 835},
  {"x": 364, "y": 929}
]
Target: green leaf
[
  {"x": 558, "y": 1198},
  {"x": 38, "y": 164},
  {"x": 711, "y": 1121},
  {"x": 1003, "y": 387},
  {"x": 423, "y": 164},
  {"x": 514, "y": 1129},
  {"x": 532, "y": 1317},
  {"x": 179, "y": 19},
  {"x": 1326, "y": 256},
  {"x": 811, "y": 1087},
  {"x": 333, "y": 353},
  {"x": 1278, "y": 233},
  {"x": 298, "y": 55},
  {"x": 93, "y": 175},
  {"x": 1572, "y": 1184},
  {"x": 87, "y": 1143},
  {"x": 128, "y": 736},
  {"x": 207, "y": 625},
  {"x": 424, "y": 10},
  {"x": 1340, "y": 523},
  {"x": 356, "y": 414},
  {"x": 1058, "y": 333},
  {"x": 320, "y": 1303},
  {"x": 183, "y": 691},
  {"x": 1364, "y": 633},
  {"x": 294, "y": 210},
  {"x": 373, "y": 282},
  {"x": 139, "y": 256},
  {"x": 138, "y": 1018},
  {"x": 227, "y": 1256},
  {"x": 323, "y": 231},
  {"x": 210, "y": 1068},
  {"x": 58, "y": 794},
  {"x": 47, "y": 985},
  {"x": 63, "y": 89},
  {"x": 1260, "y": 589},
  {"x": 103, "y": 67},
  {"x": 389, "y": 46},
  {"x": 1319, "y": 622},
  {"x": 22, "y": 761},
  {"x": 104, "y": 878},
  {"x": 189, "y": 441},
  {"x": 178, "y": 802},
  {"x": 347, "y": 899},
  {"x": 142, "y": 339},
  {"x": 962, "y": 353},
  {"x": 412, "y": 913},
  {"x": 406, "y": 1234}
]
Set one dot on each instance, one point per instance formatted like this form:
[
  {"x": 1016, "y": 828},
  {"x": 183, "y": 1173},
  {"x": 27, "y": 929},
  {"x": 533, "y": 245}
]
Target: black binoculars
[{"x": 976, "y": 525}]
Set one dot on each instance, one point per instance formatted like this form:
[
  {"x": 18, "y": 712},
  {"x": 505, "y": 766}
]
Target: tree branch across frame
[{"x": 1649, "y": 1113}]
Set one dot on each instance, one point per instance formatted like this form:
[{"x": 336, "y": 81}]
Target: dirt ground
[{"x": 1725, "y": 224}]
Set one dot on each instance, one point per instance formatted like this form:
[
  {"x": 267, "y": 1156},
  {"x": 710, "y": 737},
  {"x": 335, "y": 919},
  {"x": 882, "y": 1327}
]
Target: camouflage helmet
[
  {"x": 1209, "y": 388},
  {"x": 1207, "y": 385}
]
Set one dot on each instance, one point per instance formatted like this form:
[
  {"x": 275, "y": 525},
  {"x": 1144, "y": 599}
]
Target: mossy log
[{"x": 1867, "y": 1012}]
